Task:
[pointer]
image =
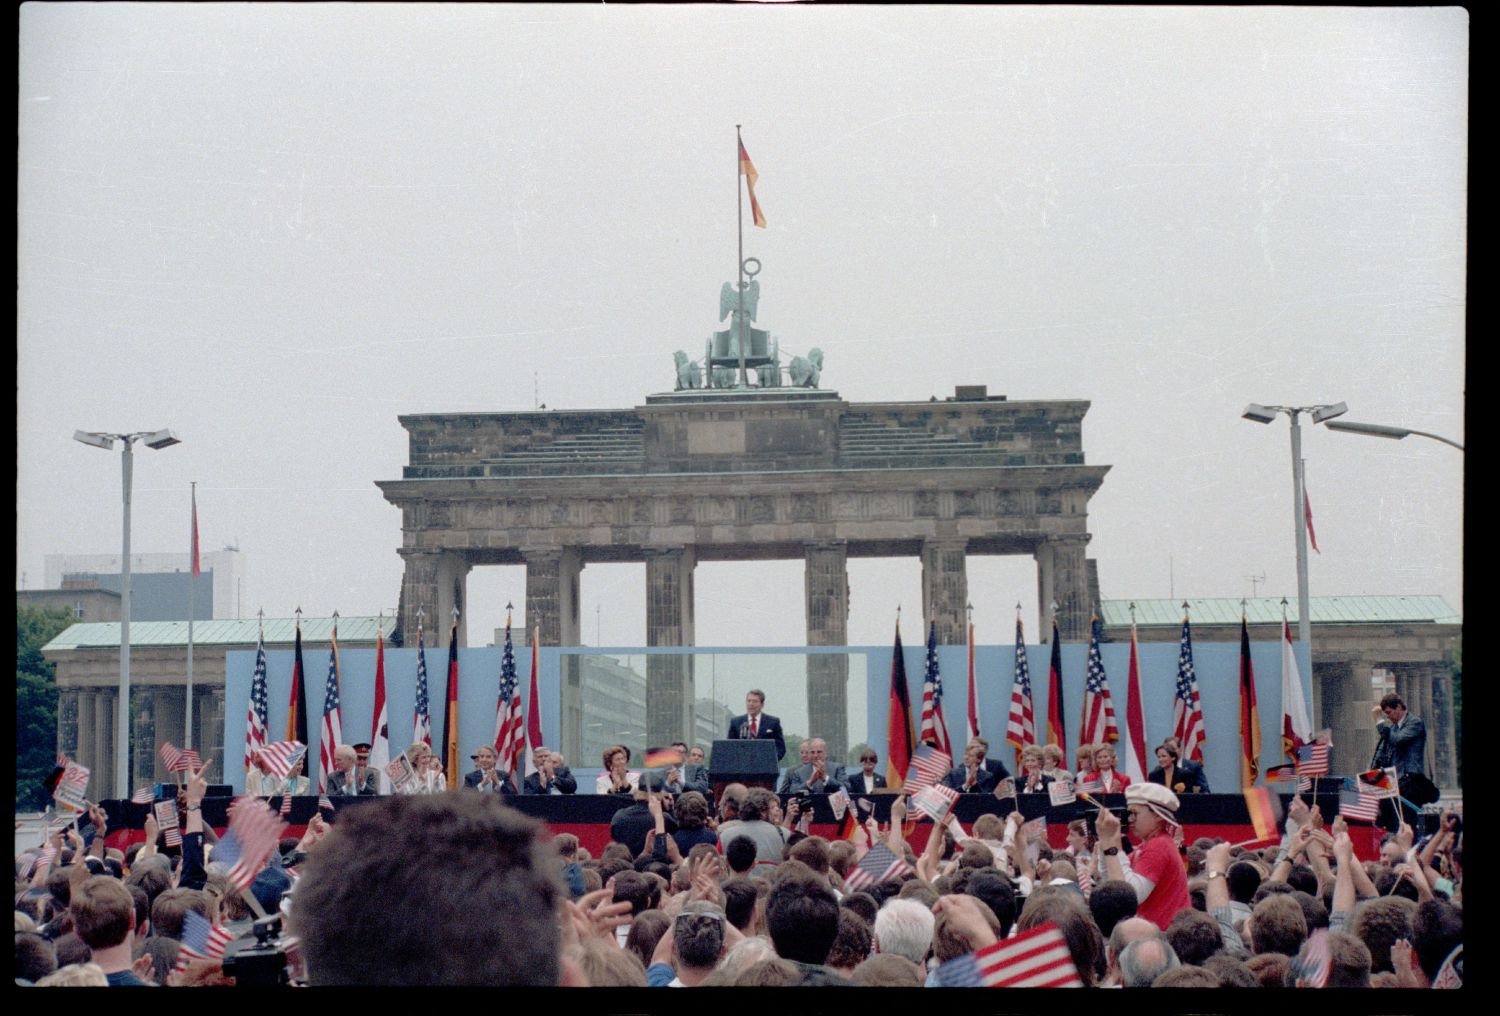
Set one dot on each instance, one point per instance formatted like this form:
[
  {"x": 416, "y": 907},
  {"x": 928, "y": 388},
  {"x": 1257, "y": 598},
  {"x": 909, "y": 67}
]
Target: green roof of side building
[
  {"x": 1269, "y": 610},
  {"x": 279, "y": 631}
]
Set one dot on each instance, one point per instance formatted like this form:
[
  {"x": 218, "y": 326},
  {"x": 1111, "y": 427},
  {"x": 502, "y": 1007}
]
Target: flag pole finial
[
  {"x": 1185, "y": 608},
  {"x": 454, "y": 612}
]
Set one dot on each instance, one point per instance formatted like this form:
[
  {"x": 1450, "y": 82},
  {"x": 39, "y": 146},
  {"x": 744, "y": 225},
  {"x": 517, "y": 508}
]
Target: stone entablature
[{"x": 709, "y": 433}]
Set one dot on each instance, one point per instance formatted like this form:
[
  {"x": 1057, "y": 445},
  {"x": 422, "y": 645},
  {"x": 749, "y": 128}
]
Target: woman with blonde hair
[
  {"x": 1053, "y": 758},
  {"x": 1032, "y": 778}
]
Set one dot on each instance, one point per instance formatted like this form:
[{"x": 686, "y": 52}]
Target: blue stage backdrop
[{"x": 1216, "y": 664}]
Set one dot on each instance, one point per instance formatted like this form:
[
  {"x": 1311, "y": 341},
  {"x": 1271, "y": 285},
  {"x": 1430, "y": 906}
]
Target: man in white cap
[{"x": 1155, "y": 871}]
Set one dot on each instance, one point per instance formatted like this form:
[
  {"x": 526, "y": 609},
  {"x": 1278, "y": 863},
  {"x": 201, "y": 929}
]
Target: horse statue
[
  {"x": 688, "y": 373},
  {"x": 806, "y": 370}
]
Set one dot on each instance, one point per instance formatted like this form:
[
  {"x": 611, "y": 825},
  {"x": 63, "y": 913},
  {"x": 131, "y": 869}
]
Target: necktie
[{"x": 754, "y": 727}]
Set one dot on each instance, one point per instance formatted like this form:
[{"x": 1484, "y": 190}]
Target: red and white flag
[
  {"x": 1020, "y": 731},
  {"x": 201, "y": 940},
  {"x": 1312, "y": 537},
  {"x": 533, "y": 704},
  {"x": 380, "y": 731},
  {"x": 282, "y": 757},
  {"x": 1038, "y": 958},
  {"x": 1098, "y": 708},
  {"x": 935, "y": 800},
  {"x": 254, "y": 830},
  {"x": 510, "y": 738},
  {"x": 1296, "y": 724},
  {"x": 878, "y": 864},
  {"x": 1135, "y": 718},
  {"x": 144, "y": 795},
  {"x": 331, "y": 733}
]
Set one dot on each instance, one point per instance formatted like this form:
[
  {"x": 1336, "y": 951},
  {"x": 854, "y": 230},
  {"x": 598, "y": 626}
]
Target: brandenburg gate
[{"x": 722, "y": 470}]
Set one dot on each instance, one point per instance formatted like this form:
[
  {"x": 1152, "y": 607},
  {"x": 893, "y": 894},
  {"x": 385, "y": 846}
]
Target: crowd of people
[{"x": 698, "y": 891}]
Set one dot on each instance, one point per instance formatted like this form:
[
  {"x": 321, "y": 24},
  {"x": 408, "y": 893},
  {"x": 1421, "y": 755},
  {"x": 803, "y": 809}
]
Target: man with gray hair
[
  {"x": 1131, "y": 929},
  {"x": 817, "y": 776},
  {"x": 1142, "y": 962},
  {"x": 551, "y": 776},
  {"x": 343, "y": 781},
  {"x": 904, "y": 927}
]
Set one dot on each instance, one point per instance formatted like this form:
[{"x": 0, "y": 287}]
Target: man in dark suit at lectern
[{"x": 756, "y": 725}]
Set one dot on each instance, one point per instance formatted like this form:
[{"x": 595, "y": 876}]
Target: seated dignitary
[
  {"x": 362, "y": 768},
  {"x": 867, "y": 780},
  {"x": 616, "y": 779},
  {"x": 342, "y": 782},
  {"x": 691, "y": 775},
  {"x": 367, "y": 915},
  {"x": 1103, "y": 775},
  {"x": 973, "y": 776},
  {"x": 1176, "y": 775},
  {"x": 817, "y": 776},
  {"x": 261, "y": 782},
  {"x": 486, "y": 777},
  {"x": 551, "y": 776}
]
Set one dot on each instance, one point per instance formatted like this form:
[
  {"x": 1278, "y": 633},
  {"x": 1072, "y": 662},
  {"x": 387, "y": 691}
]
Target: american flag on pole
[
  {"x": 201, "y": 940},
  {"x": 422, "y": 717},
  {"x": 934, "y": 727},
  {"x": 179, "y": 760},
  {"x": 1038, "y": 958},
  {"x": 282, "y": 757},
  {"x": 331, "y": 734},
  {"x": 143, "y": 795},
  {"x": 1355, "y": 804},
  {"x": 878, "y": 864},
  {"x": 257, "y": 722},
  {"x": 253, "y": 832},
  {"x": 1098, "y": 709},
  {"x": 509, "y": 737},
  {"x": 533, "y": 703},
  {"x": 1312, "y": 759},
  {"x": 1187, "y": 707},
  {"x": 1314, "y": 960},
  {"x": 928, "y": 765},
  {"x": 1020, "y": 731}
]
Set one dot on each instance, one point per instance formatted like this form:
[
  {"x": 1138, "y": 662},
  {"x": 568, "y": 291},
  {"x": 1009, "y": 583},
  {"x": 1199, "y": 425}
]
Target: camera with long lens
[{"x": 261, "y": 962}]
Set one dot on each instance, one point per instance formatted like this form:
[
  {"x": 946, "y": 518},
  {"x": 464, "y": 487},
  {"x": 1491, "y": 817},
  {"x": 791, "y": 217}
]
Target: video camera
[{"x": 262, "y": 962}]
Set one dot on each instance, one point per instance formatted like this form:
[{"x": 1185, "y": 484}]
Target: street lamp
[
  {"x": 1381, "y": 430},
  {"x": 1319, "y": 414},
  {"x": 157, "y": 439}
]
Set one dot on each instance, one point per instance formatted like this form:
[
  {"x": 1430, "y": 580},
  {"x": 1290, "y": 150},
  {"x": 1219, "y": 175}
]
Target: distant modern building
[
  {"x": 159, "y": 582},
  {"x": 83, "y": 604}
]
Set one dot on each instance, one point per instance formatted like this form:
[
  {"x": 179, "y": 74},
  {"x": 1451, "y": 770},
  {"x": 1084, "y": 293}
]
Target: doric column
[
  {"x": 104, "y": 742},
  {"x": 1441, "y": 729},
  {"x": 826, "y": 578},
  {"x": 419, "y": 594},
  {"x": 669, "y": 622},
  {"x": 1062, "y": 577},
  {"x": 552, "y": 595},
  {"x": 87, "y": 752},
  {"x": 166, "y": 712},
  {"x": 945, "y": 589},
  {"x": 1345, "y": 686}
]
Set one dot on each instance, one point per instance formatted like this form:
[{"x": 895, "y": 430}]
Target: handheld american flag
[
  {"x": 257, "y": 722},
  {"x": 509, "y": 737},
  {"x": 201, "y": 940},
  {"x": 1313, "y": 961},
  {"x": 179, "y": 760},
  {"x": 282, "y": 757},
  {"x": 253, "y": 832},
  {"x": 928, "y": 765},
  {"x": 1312, "y": 759},
  {"x": 878, "y": 864},
  {"x": 1355, "y": 805},
  {"x": 1098, "y": 710},
  {"x": 935, "y": 800},
  {"x": 1038, "y": 958},
  {"x": 1187, "y": 706},
  {"x": 331, "y": 734},
  {"x": 934, "y": 727},
  {"x": 1020, "y": 731},
  {"x": 143, "y": 795},
  {"x": 422, "y": 715}
]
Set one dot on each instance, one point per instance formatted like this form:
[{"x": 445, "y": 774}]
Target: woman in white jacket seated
[{"x": 260, "y": 782}]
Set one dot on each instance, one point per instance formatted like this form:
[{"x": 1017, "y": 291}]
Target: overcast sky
[{"x": 275, "y": 228}]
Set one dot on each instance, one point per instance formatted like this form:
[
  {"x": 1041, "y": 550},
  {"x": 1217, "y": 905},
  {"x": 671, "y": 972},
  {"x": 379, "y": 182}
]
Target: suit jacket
[
  {"x": 855, "y": 782},
  {"x": 997, "y": 767},
  {"x": 799, "y": 780},
  {"x": 1189, "y": 774},
  {"x": 695, "y": 777},
  {"x": 562, "y": 779},
  {"x": 336, "y": 784},
  {"x": 507, "y": 788},
  {"x": 768, "y": 728},
  {"x": 1408, "y": 744},
  {"x": 984, "y": 780}
]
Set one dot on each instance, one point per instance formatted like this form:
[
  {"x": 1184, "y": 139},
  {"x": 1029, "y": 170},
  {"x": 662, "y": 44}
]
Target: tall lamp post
[
  {"x": 151, "y": 439},
  {"x": 1382, "y": 430},
  {"x": 1319, "y": 414}
]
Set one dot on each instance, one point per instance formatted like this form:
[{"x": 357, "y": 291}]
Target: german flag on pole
[
  {"x": 747, "y": 170},
  {"x": 1249, "y": 714},
  {"x": 296, "y": 716},
  {"x": 1055, "y": 734},
  {"x": 450, "y": 714},
  {"x": 899, "y": 735}
]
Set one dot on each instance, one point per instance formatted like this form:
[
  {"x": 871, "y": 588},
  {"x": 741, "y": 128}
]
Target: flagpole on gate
[
  {"x": 739, "y": 224},
  {"x": 187, "y": 736}
]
